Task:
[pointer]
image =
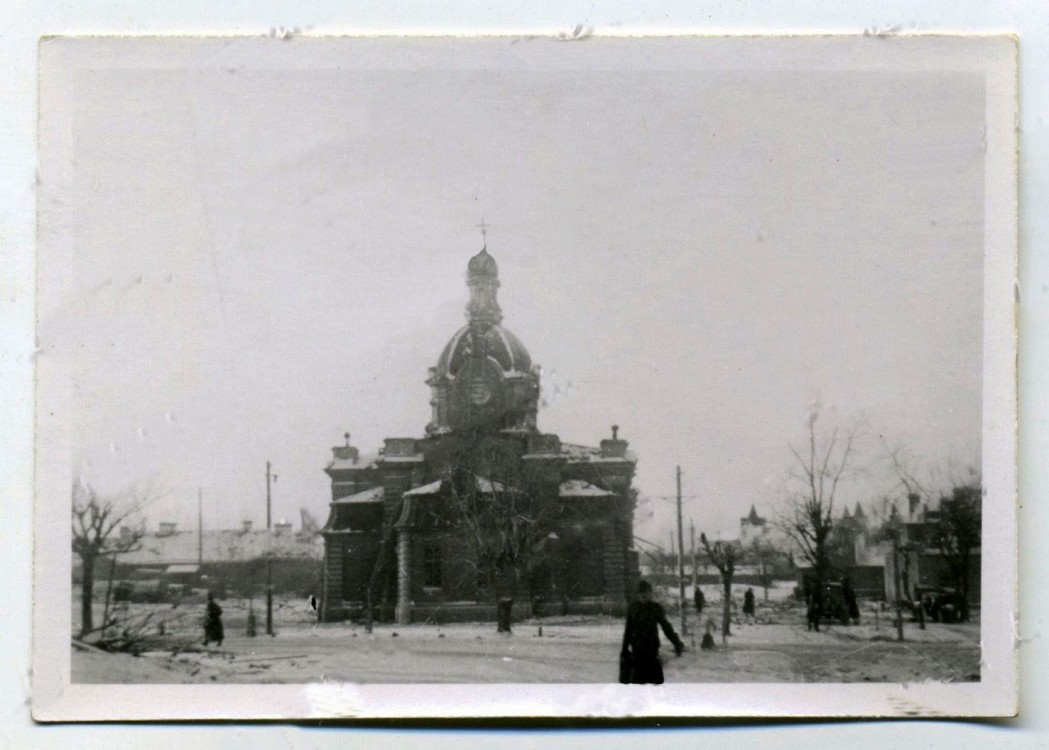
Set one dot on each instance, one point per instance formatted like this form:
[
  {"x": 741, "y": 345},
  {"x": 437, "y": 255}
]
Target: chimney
[
  {"x": 125, "y": 532},
  {"x": 614, "y": 448},
  {"x": 167, "y": 528},
  {"x": 246, "y": 527},
  {"x": 345, "y": 452},
  {"x": 913, "y": 499}
]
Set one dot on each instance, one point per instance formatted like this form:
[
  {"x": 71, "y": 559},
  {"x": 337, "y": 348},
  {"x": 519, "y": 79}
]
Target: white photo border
[{"x": 55, "y": 698}]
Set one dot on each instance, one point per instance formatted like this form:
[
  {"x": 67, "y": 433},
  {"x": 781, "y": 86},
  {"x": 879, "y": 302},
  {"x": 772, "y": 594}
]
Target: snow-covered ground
[{"x": 778, "y": 648}]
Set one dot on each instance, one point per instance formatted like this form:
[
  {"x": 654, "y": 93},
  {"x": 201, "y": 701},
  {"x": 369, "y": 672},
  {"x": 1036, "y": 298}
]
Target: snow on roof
[
  {"x": 373, "y": 495},
  {"x": 182, "y": 569},
  {"x": 481, "y": 484},
  {"x": 488, "y": 486},
  {"x": 589, "y": 453},
  {"x": 363, "y": 462},
  {"x": 579, "y": 451},
  {"x": 180, "y": 548},
  {"x": 579, "y": 488},
  {"x": 425, "y": 490}
]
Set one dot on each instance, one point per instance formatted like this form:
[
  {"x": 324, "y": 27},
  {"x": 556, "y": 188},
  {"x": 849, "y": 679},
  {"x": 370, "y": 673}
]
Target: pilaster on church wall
[
  {"x": 332, "y": 580},
  {"x": 399, "y": 465},
  {"x": 614, "y": 563}
]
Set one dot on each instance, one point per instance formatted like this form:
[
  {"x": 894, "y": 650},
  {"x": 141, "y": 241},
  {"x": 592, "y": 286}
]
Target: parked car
[
  {"x": 939, "y": 603},
  {"x": 835, "y": 605}
]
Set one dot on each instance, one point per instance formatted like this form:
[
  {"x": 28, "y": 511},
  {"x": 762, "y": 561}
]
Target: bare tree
[
  {"x": 723, "y": 556},
  {"x": 821, "y": 467},
  {"x": 957, "y": 534},
  {"x": 504, "y": 513},
  {"x": 101, "y": 527},
  {"x": 957, "y": 524},
  {"x": 765, "y": 557}
]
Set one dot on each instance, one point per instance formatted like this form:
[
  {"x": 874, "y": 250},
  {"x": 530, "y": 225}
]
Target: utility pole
[
  {"x": 269, "y": 558},
  {"x": 681, "y": 559},
  {"x": 896, "y": 582},
  {"x": 200, "y": 529},
  {"x": 692, "y": 533}
]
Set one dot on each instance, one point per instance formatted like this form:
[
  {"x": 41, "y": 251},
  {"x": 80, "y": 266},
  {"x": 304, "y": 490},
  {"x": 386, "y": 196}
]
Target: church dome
[
  {"x": 482, "y": 264},
  {"x": 497, "y": 343}
]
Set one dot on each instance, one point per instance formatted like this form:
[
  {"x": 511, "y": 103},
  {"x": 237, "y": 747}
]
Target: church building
[{"x": 483, "y": 508}]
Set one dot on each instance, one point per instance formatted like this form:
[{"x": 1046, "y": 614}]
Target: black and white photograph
[{"x": 525, "y": 376}]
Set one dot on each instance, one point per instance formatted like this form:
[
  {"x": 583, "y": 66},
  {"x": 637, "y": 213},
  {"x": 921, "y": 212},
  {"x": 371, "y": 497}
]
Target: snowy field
[{"x": 778, "y": 648}]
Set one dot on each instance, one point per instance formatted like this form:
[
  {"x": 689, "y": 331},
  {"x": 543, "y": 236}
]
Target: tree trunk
[
  {"x": 109, "y": 592},
  {"x": 505, "y": 592},
  {"x": 726, "y": 615},
  {"x": 87, "y": 589}
]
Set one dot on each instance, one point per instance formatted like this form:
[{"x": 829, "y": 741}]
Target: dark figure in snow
[
  {"x": 707, "y": 643},
  {"x": 851, "y": 600},
  {"x": 748, "y": 606},
  {"x": 639, "y": 658},
  {"x": 213, "y": 622},
  {"x": 699, "y": 599},
  {"x": 815, "y": 608}
]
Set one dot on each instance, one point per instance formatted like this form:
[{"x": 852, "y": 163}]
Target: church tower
[{"x": 484, "y": 377}]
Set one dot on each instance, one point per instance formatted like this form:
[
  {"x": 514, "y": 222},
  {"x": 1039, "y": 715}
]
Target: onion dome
[
  {"x": 494, "y": 342},
  {"x": 482, "y": 264}
]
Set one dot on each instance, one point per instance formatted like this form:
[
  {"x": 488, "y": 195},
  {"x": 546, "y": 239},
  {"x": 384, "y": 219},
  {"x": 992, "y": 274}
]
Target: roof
[
  {"x": 501, "y": 346},
  {"x": 373, "y": 495},
  {"x": 363, "y": 462},
  {"x": 579, "y": 488},
  {"x": 482, "y": 484},
  {"x": 579, "y": 452},
  {"x": 180, "y": 548},
  {"x": 425, "y": 490},
  {"x": 182, "y": 569},
  {"x": 589, "y": 453}
]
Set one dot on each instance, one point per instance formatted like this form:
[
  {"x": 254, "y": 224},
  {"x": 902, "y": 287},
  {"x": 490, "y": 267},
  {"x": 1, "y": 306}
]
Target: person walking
[
  {"x": 213, "y": 622},
  {"x": 639, "y": 658},
  {"x": 815, "y": 608},
  {"x": 748, "y": 606},
  {"x": 699, "y": 600}
]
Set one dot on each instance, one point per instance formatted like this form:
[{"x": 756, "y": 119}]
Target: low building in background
[{"x": 229, "y": 562}]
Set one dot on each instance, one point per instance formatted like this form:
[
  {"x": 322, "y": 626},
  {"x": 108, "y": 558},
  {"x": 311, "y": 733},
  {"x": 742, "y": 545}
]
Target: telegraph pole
[
  {"x": 692, "y": 533},
  {"x": 681, "y": 558},
  {"x": 269, "y": 558}
]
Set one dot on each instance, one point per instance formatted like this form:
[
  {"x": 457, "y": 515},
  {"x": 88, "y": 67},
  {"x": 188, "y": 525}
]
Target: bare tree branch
[{"x": 94, "y": 520}]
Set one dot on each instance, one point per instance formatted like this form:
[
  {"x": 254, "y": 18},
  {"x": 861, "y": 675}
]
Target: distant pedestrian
[
  {"x": 748, "y": 606},
  {"x": 708, "y": 637},
  {"x": 213, "y": 622},
  {"x": 639, "y": 658},
  {"x": 851, "y": 600},
  {"x": 815, "y": 608},
  {"x": 699, "y": 599}
]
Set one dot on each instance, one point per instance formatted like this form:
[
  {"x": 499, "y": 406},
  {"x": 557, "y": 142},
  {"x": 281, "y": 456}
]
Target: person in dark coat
[
  {"x": 748, "y": 605},
  {"x": 699, "y": 599},
  {"x": 640, "y": 652},
  {"x": 851, "y": 600},
  {"x": 213, "y": 622},
  {"x": 815, "y": 608}
]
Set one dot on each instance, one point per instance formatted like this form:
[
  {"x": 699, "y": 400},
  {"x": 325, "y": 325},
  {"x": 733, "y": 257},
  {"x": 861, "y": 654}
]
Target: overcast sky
[{"x": 265, "y": 259}]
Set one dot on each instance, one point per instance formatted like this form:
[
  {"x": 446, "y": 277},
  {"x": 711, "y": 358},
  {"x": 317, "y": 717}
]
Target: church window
[{"x": 432, "y": 565}]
